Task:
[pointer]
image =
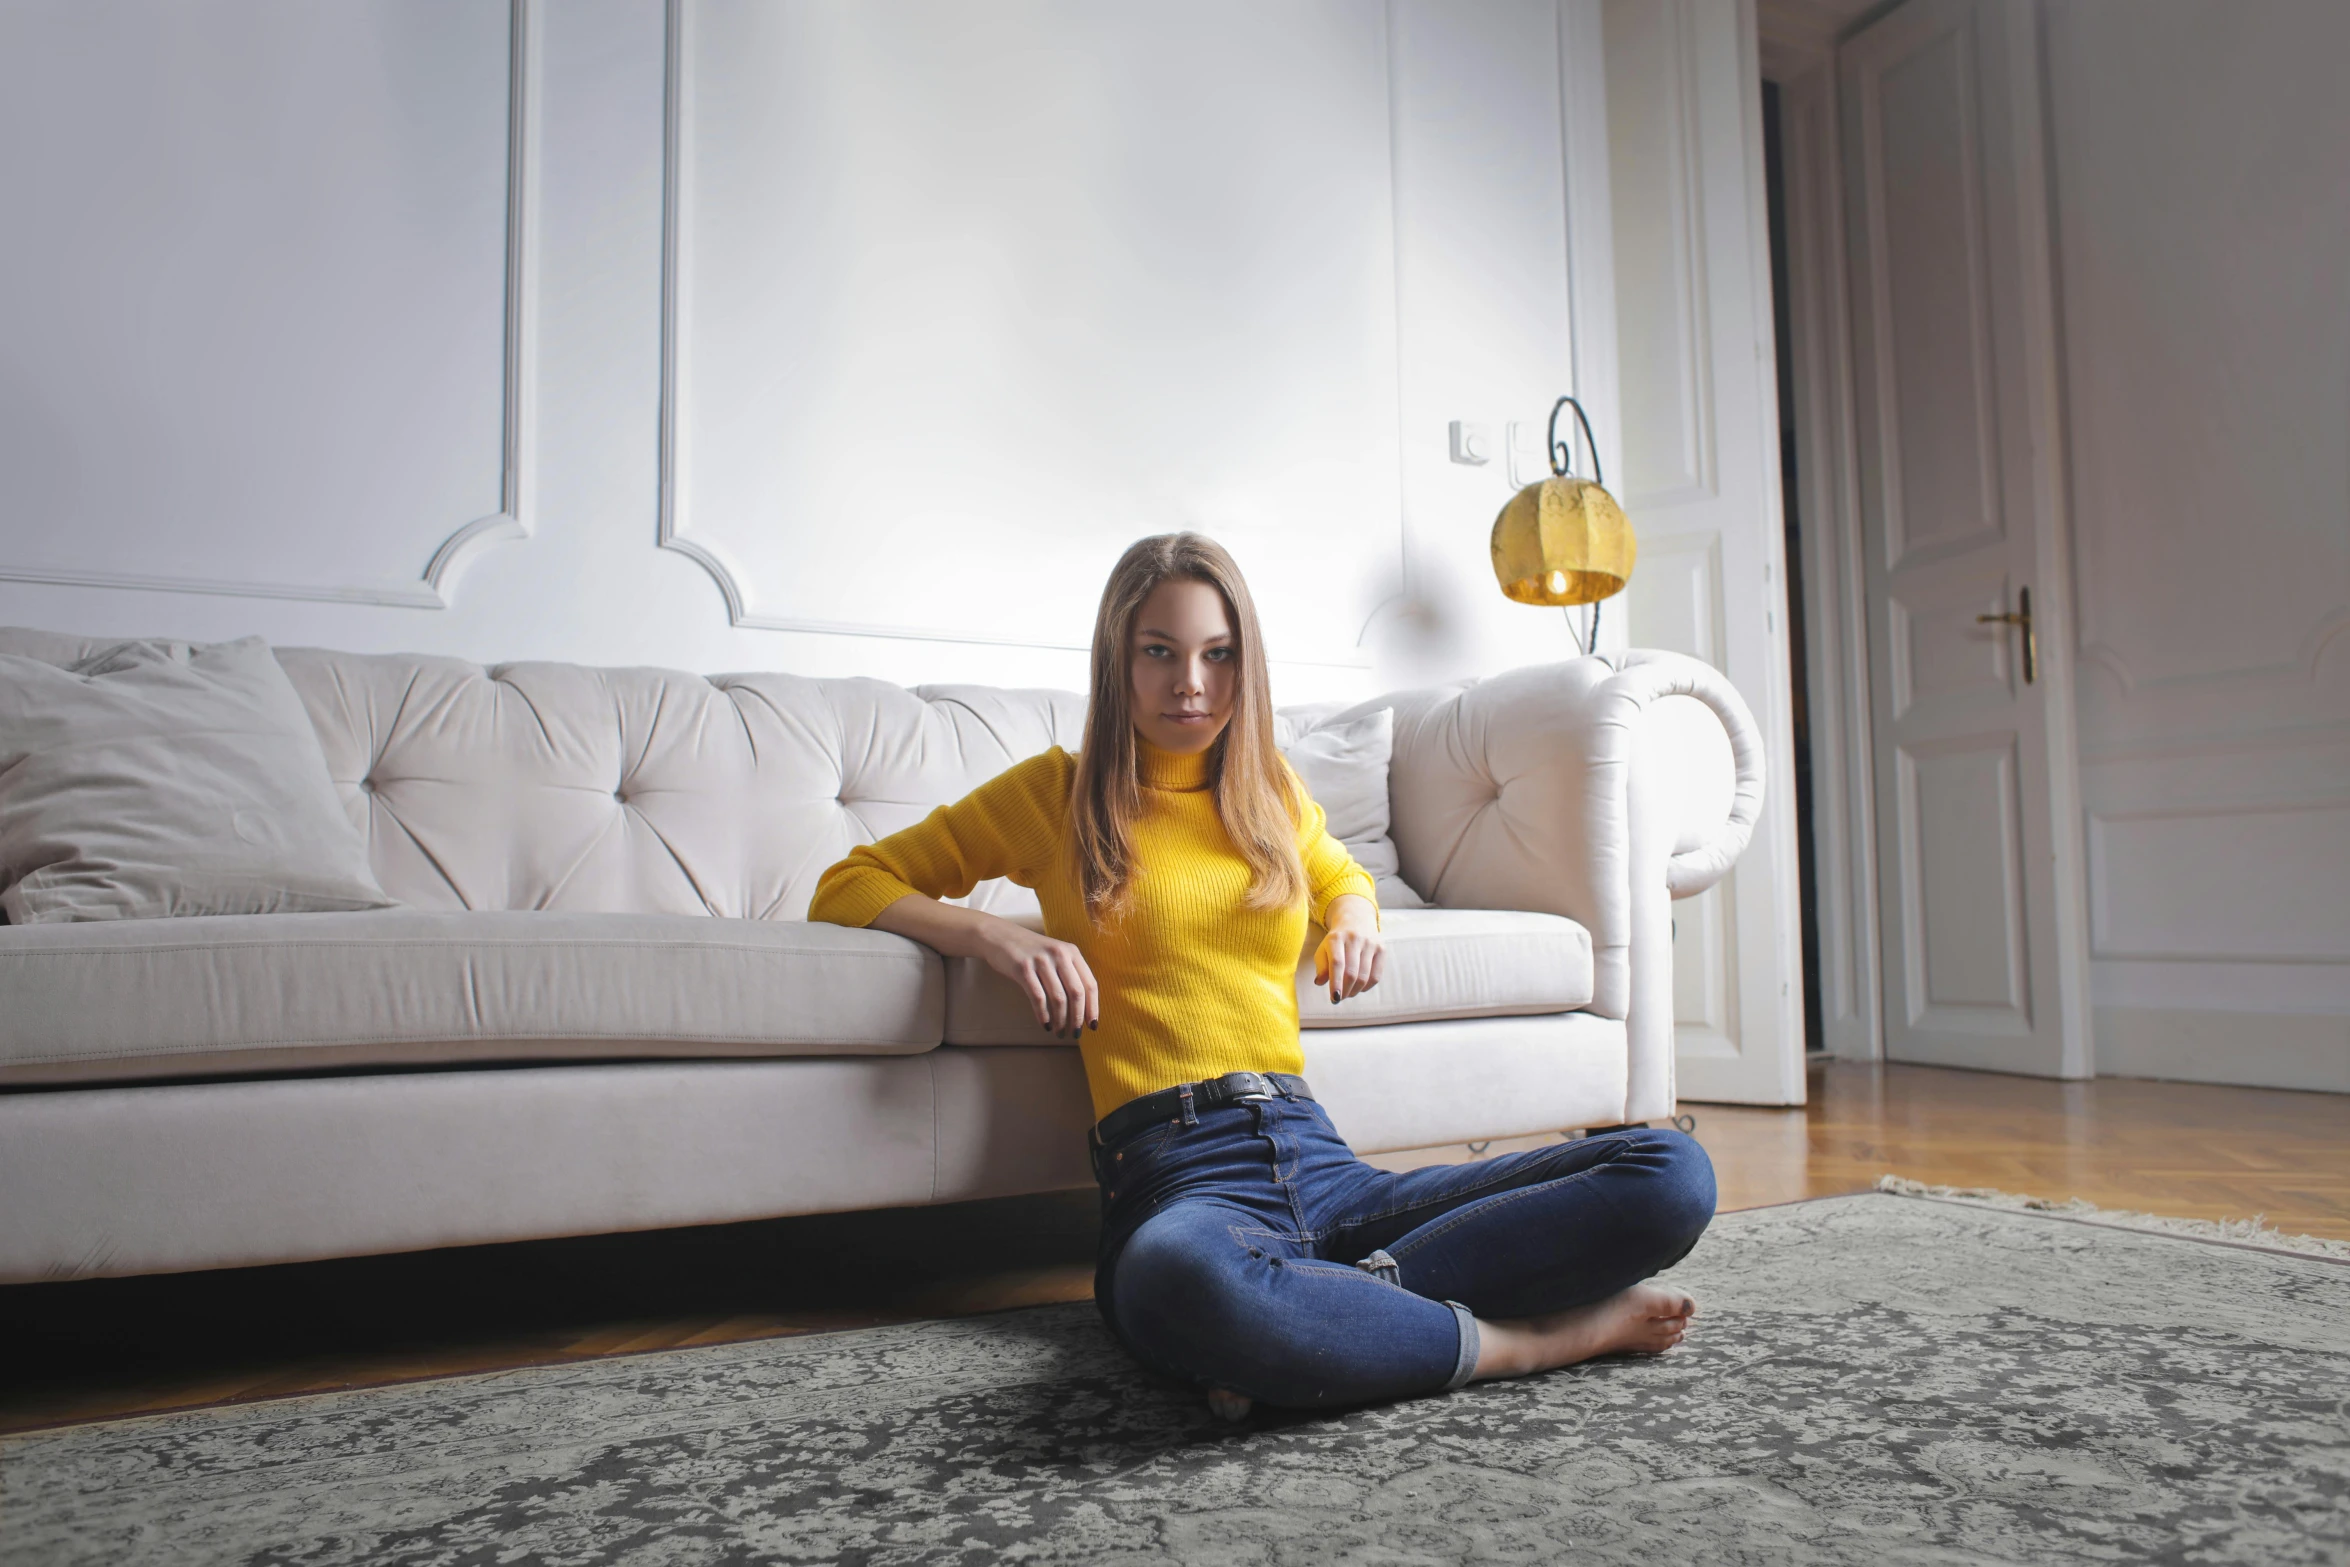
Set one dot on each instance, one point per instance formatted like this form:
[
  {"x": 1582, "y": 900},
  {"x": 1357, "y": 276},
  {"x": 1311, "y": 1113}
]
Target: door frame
[
  {"x": 1801, "y": 61},
  {"x": 1802, "y": 65}
]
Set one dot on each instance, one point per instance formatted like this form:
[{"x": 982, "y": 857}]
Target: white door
[
  {"x": 1700, "y": 480},
  {"x": 1983, "y": 934}
]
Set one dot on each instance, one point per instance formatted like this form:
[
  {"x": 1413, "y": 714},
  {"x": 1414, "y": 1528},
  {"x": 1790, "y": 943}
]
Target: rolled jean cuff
[{"x": 1465, "y": 1366}]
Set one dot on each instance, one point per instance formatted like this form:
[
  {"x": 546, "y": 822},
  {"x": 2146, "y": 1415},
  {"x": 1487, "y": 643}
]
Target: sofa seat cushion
[
  {"x": 405, "y": 987},
  {"x": 1441, "y": 963},
  {"x": 1454, "y": 963}
]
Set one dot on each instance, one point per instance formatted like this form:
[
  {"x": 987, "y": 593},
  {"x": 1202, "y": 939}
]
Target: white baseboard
[{"x": 2254, "y": 1049}]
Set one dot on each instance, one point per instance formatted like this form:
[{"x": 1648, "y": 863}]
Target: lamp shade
[{"x": 1563, "y": 541}]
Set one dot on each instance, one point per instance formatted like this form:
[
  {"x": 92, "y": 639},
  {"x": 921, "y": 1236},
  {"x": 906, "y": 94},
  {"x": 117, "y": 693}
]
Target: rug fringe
[{"x": 2255, "y": 1231}]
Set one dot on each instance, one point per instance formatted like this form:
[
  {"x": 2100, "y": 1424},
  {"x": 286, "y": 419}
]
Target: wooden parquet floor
[
  {"x": 2185, "y": 1149},
  {"x": 104, "y": 1348}
]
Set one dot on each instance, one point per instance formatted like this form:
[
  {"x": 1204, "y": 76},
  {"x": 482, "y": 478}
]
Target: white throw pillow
[
  {"x": 159, "y": 778},
  {"x": 1345, "y": 769}
]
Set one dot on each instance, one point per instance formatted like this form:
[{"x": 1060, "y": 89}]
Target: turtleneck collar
[{"x": 1170, "y": 769}]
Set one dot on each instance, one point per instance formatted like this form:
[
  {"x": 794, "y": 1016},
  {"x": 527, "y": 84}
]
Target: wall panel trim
[
  {"x": 514, "y": 518},
  {"x": 675, "y": 525},
  {"x": 676, "y": 315}
]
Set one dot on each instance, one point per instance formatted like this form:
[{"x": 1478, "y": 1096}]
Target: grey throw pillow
[
  {"x": 160, "y": 778},
  {"x": 1344, "y": 767}
]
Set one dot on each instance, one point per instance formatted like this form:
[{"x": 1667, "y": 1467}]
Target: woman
[{"x": 1244, "y": 1247}]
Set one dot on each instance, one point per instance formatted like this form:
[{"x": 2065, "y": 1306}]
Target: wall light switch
[
  {"x": 1529, "y": 452},
  {"x": 1472, "y": 443}
]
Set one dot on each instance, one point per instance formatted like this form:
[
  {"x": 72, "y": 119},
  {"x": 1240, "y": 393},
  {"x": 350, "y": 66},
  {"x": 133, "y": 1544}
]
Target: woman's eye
[
  {"x": 1155, "y": 650},
  {"x": 1221, "y": 655}
]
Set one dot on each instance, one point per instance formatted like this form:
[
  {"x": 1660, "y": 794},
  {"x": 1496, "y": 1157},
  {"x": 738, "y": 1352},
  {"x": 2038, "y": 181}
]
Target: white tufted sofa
[{"x": 600, "y": 1006}]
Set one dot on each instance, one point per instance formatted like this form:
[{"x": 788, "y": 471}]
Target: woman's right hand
[{"x": 1052, "y": 974}]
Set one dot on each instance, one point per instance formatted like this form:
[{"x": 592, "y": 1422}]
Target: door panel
[
  {"x": 1941, "y": 453},
  {"x": 1945, "y": 662},
  {"x": 1978, "y": 824},
  {"x": 1701, "y": 481},
  {"x": 1960, "y": 811}
]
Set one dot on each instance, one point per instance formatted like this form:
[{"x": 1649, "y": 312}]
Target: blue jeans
[{"x": 1252, "y": 1250}]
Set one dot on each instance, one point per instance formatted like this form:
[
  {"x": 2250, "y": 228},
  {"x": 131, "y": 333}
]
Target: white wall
[
  {"x": 2203, "y": 232},
  {"x": 329, "y": 336}
]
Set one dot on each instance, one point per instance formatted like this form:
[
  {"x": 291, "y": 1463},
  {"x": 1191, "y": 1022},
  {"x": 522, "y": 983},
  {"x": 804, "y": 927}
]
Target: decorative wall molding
[
  {"x": 2248, "y": 450},
  {"x": 1591, "y": 258},
  {"x": 518, "y": 510},
  {"x": 2307, "y": 1051},
  {"x": 2300, "y": 670},
  {"x": 676, "y": 312},
  {"x": 1403, "y": 597},
  {"x": 515, "y": 517},
  {"x": 683, "y": 525},
  {"x": 2230, "y": 985},
  {"x": 2267, "y": 882},
  {"x": 2235, "y": 746},
  {"x": 676, "y": 429},
  {"x": 2201, "y": 719}
]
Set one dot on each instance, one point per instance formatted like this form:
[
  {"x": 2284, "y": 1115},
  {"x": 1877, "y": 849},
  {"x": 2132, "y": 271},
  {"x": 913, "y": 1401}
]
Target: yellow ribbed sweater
[{"x": 1194, "y": 983}]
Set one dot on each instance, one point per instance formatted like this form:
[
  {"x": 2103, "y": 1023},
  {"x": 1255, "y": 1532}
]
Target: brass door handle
[{"x": 2022, "y": 616}]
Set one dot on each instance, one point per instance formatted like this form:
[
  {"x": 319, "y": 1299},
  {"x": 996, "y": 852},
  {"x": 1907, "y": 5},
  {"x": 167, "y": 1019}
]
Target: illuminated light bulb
[{"x": 1558, "y": 582}]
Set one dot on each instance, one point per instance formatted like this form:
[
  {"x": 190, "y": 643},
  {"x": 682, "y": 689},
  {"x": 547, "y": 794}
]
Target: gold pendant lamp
[{"x": 1565, "y": 540}]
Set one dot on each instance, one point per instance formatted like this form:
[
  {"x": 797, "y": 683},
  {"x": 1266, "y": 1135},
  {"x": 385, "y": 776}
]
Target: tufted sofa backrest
[{"x": 559, "y": 786}]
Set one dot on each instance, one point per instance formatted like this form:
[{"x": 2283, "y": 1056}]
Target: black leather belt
[{"x": 1167, "y": 1104}]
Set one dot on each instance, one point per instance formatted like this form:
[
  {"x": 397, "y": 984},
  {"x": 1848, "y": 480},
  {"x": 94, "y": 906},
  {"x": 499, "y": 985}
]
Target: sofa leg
[{"x": 1684, "y": 1124}]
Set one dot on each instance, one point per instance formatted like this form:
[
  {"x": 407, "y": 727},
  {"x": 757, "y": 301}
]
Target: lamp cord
[{"x": 1587, "y": 641}]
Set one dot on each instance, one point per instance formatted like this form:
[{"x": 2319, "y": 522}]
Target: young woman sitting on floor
[{"x": 1244, "y": 1247}]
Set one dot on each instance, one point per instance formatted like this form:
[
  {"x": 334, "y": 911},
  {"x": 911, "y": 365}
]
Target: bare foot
[
  {"x": 1225, "y": 1404},
  {"x": 1643, "y": 1320}
]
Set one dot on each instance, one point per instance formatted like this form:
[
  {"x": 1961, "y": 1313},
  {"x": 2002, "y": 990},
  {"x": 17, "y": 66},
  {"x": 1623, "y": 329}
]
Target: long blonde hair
[{"x": 1256, "y": 798}]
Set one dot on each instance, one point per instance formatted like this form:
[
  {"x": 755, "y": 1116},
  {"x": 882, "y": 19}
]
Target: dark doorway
[{"x": 1782, "y": 326}]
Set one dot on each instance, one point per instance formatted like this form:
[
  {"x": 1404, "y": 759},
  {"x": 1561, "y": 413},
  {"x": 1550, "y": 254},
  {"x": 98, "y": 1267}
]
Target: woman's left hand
[{"x": 1351, "y": 958}]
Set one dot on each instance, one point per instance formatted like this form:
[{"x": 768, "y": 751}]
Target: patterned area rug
[{"x": 1871, "y": 1379}]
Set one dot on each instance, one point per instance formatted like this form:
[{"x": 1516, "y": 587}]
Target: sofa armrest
[{"x": 1600, "y": 789}]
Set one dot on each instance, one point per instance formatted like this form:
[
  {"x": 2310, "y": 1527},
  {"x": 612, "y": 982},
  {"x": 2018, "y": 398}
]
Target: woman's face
[{"x": 1186, "y": 665}]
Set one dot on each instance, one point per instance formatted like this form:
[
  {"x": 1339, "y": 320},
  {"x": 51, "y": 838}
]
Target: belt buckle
[{"x": 1263, "y": 1087}]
